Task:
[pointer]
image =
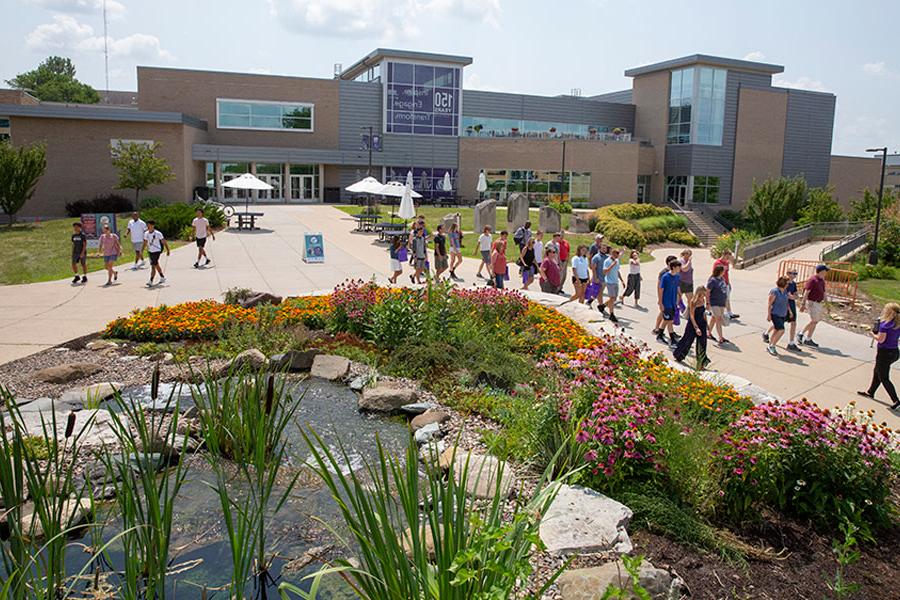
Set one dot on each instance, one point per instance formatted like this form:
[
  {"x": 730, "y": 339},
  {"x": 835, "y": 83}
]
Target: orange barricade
[{"x": 841, "y": 282}]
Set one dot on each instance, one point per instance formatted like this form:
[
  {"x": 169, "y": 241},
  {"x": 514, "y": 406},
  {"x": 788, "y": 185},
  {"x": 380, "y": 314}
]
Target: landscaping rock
[
  {"x": 427, "y": 433},
  {"x": 42, "y": 405},
  {"x": 578, "y": 224},
  {"x": 97, "y": 345},
  {"x": 430, "y": 452},
  {"x": 386, "y": 397},
  {"x": 516, "y": 211},
  {"x": 550, "y": 219},
  {"x": 330, "y": 367},
  {"x": 428, "y": 417},
  {"x": 93, "y": 426},
  {"x": 591, "y": 584},
  {"x": 251, "y": 359},
  {"x": 66, "y": 373},
  {"x": 417, "y": 408},
  {"x": 426, "y": 537},
  {"x": 358, "y": 383},
  {"x": 89, "y": 394},
  {"x": 582, "y": 521},
  {"x": 482, "y": 479},
  {"x": 73, "y": 513},
  {"x": 260, "y": 298},
  {"x": 485, "y": 215},
  {"x": 294, "y": 360}
]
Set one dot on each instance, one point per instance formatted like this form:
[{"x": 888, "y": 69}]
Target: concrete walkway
[{"x": 38, "y": 316}]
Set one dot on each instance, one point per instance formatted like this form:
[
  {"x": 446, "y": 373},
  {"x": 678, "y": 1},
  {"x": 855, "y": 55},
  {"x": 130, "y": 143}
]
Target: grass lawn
[
  {"x": 33, "y": 252},
  {"x": 883, "y": 290}
]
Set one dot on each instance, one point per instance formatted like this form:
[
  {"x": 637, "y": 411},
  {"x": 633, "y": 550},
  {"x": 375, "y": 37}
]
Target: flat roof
[
  {"x": 379, "y": 54},
  {"x": 98, "y": 112},
  {"x": 706, "y": 59}
]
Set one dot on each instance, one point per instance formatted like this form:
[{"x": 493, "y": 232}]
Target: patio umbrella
[
  {"x": 248, "y": 182},
  {"x": 368, "y": 186},
  {"x": 481, "y": 188},
  {"x": 447, "y": 185},
  {"x": 406, "y": 204}
]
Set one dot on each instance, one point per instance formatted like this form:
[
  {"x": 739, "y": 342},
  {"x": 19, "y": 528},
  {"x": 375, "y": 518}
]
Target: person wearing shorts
[
  {"x": 776, "y": 313},
  {"x": 110, "y": 249},
  {"x": 633, "y": 285},
  {"x": 669, "y": 293},
  {"x": 484, "y": 246},
  {"x": 687, "y": 273},
  {"x": 792, "y": 309},
  {"x": 154, "y": 242},
  {"x": 813, "y": 300},
  {"x": 455, "y": 239},
  {"x": 612, "y": 277},
  {"x": 79, "y": 253},
  {"x": 420, "y": 255},
  {"x": 394, "y": 251},
  {"x": 201, "y": 230},
  {"x": 717, "y": 291},
  {"x": 136, "y": 229}
]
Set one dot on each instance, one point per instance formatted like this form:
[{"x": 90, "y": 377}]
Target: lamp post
[
  {"x": 562, "y": 175},
  {"x": 873, "y": 255},
  {"x": 369, "y": 145}
]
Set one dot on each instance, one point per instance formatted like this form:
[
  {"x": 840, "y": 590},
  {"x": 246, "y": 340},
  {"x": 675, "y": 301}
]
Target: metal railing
[
  {"x": 846, "y": 246},
  {"x": 773, "y": 245},
  {"x": 719, "y": 222}
]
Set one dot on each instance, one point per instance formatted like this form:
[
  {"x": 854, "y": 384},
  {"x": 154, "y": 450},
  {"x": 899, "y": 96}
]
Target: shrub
[
  {"x": 879, "y": 271},
  {"x": 619, "y": 231},
  {"x": 613, "y": 221},
  {"x": 864, "y": 209},
  {"x": 563, "y": 207},
  {"x": 889, "y": 242},
  {"x": 820, "y": 207},
  {"x": 808, "y": 462},
  {"x": 110, "y": 203},
  {"x": 685, "y": 238},
  {"x": 632, "y": 211},
  {"x": 736, "y": 219},
  {"x": 151, "y": 202},
  {"x": 774, "y": 202},
  {"x": 726, "y": 241},
  {"x": 174, "y": 220},
  {"x": 669, "y": 222}
]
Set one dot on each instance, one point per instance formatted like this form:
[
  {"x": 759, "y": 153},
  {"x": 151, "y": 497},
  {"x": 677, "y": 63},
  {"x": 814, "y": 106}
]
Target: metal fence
[
  {"x": 782, "y": 241},
  {"x": 841, "y": 283},
  {"x": 845, "y": 246}
]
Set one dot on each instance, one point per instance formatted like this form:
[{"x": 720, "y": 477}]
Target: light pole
[
  {"x": 562, "y": 175},
  {"x": 369, "y": 168},
  {"x": 873, "y": 255}
]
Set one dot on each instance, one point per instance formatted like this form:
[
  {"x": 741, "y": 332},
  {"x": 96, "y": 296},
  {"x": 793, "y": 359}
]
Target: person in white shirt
[
  {"x": 136, "y": 229},
  {"x": 539, "y": 247},
  {"x": 201, "y": 230},
  {"x": 484, "y": 245},
  {"x": 154, "y": 242}
]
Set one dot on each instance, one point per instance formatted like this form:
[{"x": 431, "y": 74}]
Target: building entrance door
[
  {"x": 303, "y": 187},
  {"x": 641, "y": 193},
  {"x": 275, "y": 182},
  {"x": 677, "y": 189}
]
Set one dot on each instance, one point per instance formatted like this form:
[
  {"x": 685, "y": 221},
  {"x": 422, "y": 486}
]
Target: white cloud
[
  {"x": 66, "y": 34},
  {"x": 385, "y": 20},
  {"x": 801, "y": 83},
  {"x": 471, "y": 81},
  {"x": 858, "y": 133},
  {"x": 756, "y": 56},
  {"x": 82, "y": 7},
  {"x": 875, "y": 68}
]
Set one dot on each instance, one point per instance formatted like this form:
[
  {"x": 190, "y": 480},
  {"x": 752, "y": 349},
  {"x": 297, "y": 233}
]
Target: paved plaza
[{"x": 38, "y": 316}]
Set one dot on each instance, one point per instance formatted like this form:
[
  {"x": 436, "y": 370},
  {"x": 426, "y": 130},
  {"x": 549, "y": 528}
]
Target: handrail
[
  {"x": 721, "y": 221},
  {"x": 846, "y": 245},
  {"x": 796, "y": 236}
]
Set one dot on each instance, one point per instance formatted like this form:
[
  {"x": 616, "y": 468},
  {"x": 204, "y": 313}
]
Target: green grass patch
[
  {"x": 434, "y": 214},
  {"x": 883, "y": 290},
  {"x": 34, "y": 252}
]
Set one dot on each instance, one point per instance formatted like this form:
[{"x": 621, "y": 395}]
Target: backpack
[{"x": 519, "y": 236}]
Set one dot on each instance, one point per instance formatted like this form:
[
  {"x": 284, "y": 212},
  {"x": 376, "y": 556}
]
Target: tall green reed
[{"x": 149, "y": 442}]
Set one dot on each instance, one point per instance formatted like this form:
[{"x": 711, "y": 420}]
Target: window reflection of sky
[{"x": 494, "y": 127}]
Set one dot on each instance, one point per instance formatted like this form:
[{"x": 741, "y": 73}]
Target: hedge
[{"x": 174, "y": 219}]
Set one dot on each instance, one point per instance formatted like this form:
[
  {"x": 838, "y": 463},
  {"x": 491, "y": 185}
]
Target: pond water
[{"x": 198, "y": 538}]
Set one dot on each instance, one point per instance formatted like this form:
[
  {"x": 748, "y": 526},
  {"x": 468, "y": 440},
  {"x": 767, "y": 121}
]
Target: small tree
[
  {"x": 54, "y": 81},
  {"x": 864, "y": 209},
  {"x": 774, "y": 202},
  {"x": 820, "y": 207},
  {"x": 20, "y": 169},
  {"x": 139, "y": 167}
]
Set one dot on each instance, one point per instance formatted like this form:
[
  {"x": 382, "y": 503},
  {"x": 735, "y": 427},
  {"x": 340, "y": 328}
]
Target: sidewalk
[{"x": 38, "y": 316}]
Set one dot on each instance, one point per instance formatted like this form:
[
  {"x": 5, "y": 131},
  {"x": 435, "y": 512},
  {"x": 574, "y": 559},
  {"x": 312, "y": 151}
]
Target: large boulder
[
  {"x": 91, "y": 394},
  {"x": 73, "y": 513},
  {"x": 591, "y": 584},
  {"x": 449, "y": 220},
  {"x": 578, "y": 223},
  {"x": 428, "y": 417},
  {"x": 428, "y": 433},
  {"x": 516, "y": 211},
  {"x": 66, "y": 373},
  {"x": 550, "y": 219},
  {"x": 483, "y": 471},
  {"x": 293, "y": 360},
  {"x": 485, "y": 216},
  {"x": 386, "y": 397},
  {"x": 94, "y": 428},
  {"x": 582, "y": 521},
  {"x": 260, "y": 298},
  {"x": 251, "y": 359},
  {"x": 330, "y": 367}
]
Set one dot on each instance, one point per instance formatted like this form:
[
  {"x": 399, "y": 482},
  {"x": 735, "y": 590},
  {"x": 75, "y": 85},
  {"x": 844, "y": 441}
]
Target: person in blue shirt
[
  {"x": 597, "y": 277},
  {"x": 612, "y": 277},
  {"x": 777, "y": 311},
  {"x": 718, "y": 301},
  {"x": 669, "y": 294}
]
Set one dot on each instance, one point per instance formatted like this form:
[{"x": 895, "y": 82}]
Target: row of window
[
  {"x": 540, "y": 187},
  {"x": 697, "y": 106},
  {"x": 681, "y": 189},
  {"x": 257, "y": 114},
  {"x": 491, "y": 127},
  {"x": 301, "y": 182}
]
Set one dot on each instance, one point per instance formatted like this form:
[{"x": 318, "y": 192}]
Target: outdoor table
[
  {"x": 387, "y": 229},
  {"x": 247, "y": 220},
  {"x": 364, "y": 222}
]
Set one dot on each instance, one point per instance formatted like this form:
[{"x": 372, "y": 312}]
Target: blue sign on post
[{"x": 313, "y": 248}]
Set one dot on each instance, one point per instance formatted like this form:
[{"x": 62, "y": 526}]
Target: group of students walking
[{"x": 145, "y": 237}]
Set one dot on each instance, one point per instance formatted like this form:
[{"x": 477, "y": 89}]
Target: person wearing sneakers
[
  {"x": 658, "y": 326},
  {"x": 484, "y": 246},
  {"x": 201, "y": 230},
  {"x": 79, "y": 253},
  {"x": 887, "y": 333},
  {"x": 718, "y": 297},
  {"x": 725, "y": 260},
  {"x": 136, "y": 229},
  {"x": 813, "y": 300},
  {"x": 154, "y": 242},
  {"x": 669, "y": 294},
  {"x": 776, "y": 313},
  {"x": 110, "y": 249},
  {"x": 612, "y": 277},
  {"x": 792, "y": 310}
]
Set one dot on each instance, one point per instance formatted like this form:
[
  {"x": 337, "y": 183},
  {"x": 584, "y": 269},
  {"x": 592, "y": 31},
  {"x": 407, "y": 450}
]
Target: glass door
[
  {"x": 303, "y": 187},
  {"x": 275, "y": 182}
]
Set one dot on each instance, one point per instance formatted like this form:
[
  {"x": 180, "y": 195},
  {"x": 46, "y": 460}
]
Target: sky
[{"x": 526, "y": 46}]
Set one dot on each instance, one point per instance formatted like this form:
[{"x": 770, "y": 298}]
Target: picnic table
[
  {"x": 387, "y": 229},
  {"x": 247, "y": 220},
  {"x": 365, "y": 222}
]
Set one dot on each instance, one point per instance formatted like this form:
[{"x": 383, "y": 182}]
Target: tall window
[
  {"x": 539, "y": 186},
  {"x": 259, "y": 114},
  {"x": 422, "y": 99},
  {"x": 706, "y": 189},
  {"x": 697, "y": 106},
  {"x": 4, "y": 129},
  {"x": 428, "y": 181}
]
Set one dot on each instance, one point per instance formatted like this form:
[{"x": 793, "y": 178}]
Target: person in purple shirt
[{"x": 887, "y": 335}]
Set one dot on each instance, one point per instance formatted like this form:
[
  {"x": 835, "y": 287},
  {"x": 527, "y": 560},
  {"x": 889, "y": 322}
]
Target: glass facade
[
  {"x": 677, "y": 189},
  {"x": 422, "y": 99},
  {"x": 539, "y": 186},
  {"x": 4, "y": 129},
  {"x": 705, "y": 189},
  {"x": 229, "y": 172},
  {"x": 428, "y": 181},
  {"x": 697, "y": 106},
  {"x": 269, "y": 116},
  {"x": 491, "y": 127},
  {"x": 695, "y": 188}
]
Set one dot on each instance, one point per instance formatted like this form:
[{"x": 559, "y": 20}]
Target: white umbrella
[
  {"x": 407, "y": 211},
  {"x": 447, "y": 185},
  {"x": 368, "y": 185},
  {"x": 247, "y": 181},
  {"x": 395, "y": 189},
  {"x": 482, "y": 183}
]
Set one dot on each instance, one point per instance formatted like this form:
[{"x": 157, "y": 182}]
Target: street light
[{"x": 873, "y": 255}]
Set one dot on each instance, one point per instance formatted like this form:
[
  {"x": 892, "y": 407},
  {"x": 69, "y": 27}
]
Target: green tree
[
  {"x": 820, "y": 207},
  {"x": 774, "y": 202},
  {"x": 54, "y": 81},
  {"x": 864, "y": 209},
  {"x": 139, "y": 167},
  {"x": 20, "y": 169}
]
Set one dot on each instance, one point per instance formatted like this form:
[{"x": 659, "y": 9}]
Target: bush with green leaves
[
  {"x": 619, "y": 231},
  {"x": 774, "y": 202},
  {"x": 20, "y": 169},
  {"x": 685, "y": 238},
  {"x": 879, "y": 271},
  {"x": 726, "y": 241},
  {"x": 174, "y": 220},
  {"x": 820, "y": 207},
  {"x": 735, "y": 219},
  {"x": 889, "y": 242},
  {"x": 107, "y": 203},
  {"x": 865, "y": 208},
  {"x": 151, "y": 202}
]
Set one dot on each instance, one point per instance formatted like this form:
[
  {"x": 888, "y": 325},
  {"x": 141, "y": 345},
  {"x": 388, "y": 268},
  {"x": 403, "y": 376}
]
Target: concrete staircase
[{"x": 702, "y": 225}]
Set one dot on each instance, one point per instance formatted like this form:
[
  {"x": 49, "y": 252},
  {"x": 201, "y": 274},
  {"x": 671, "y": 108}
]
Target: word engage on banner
[{"x": 313, "y": 248}]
